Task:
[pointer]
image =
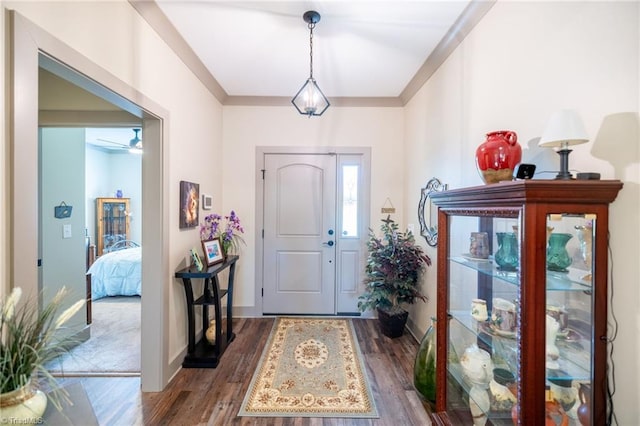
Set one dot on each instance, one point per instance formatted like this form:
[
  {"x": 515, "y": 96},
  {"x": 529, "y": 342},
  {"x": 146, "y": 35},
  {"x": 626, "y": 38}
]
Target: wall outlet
[{"x": 66, "y": 231}]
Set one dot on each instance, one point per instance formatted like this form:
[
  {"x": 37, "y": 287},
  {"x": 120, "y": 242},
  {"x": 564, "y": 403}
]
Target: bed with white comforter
[{"x": 117, "y": 273}]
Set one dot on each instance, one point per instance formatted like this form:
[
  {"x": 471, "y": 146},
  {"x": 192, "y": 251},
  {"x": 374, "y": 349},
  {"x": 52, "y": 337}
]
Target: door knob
[{"x": 328, "y": 243}]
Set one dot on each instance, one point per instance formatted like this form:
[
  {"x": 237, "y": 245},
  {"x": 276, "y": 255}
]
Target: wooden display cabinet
[
  {"x": 530, "y": 319},
  {"x": 112, "y": 222}
]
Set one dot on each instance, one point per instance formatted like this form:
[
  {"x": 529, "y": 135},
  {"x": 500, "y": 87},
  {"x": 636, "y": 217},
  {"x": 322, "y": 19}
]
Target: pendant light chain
[{"x": 311, "y": 26}]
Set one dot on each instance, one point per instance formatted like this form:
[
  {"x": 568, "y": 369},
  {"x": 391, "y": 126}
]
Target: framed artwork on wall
[{"x": 189, "y": 204}]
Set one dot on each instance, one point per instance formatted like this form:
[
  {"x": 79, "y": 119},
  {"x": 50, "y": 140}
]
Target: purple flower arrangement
[{"x": 227, "y": 228}]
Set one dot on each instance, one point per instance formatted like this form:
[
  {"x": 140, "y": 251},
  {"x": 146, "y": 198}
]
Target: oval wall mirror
[{"x": 427, "y": 215}]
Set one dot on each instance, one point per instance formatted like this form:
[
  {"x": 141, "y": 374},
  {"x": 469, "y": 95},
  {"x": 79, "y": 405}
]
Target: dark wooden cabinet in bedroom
[{"x": 112, "y": 222}]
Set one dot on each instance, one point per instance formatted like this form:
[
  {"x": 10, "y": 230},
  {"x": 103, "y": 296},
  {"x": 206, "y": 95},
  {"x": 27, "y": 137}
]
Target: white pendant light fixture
[{"x": 310, "y": 100}]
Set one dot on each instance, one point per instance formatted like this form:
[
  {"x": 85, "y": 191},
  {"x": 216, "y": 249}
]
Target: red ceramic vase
[{"x": 498, "y": 156}]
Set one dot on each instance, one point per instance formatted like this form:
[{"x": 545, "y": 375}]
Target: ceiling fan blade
[{"x": 123, "y": 146}]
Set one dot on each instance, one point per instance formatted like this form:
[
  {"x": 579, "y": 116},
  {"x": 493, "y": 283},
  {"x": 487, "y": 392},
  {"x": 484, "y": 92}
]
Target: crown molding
[
  {"x": 151, "y": 12},
  {"x": 154, "y": 16},
  {"x": 335, "y": 102},
  {"x": 469, "y": 18}
]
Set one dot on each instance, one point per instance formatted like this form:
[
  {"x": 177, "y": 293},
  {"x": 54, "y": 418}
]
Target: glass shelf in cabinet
[
  {"x": 487, "y": 267},
  {"x": 481, "y": 333},
  {"x": 573, "y": 363},
  {"x": 464, "y": 318},
  {"x": 573, "y": 280},
  {"x": 573, "y": 355}
]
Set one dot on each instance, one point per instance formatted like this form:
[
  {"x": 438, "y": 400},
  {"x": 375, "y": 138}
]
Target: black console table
[{"x": 203, "y": 354}]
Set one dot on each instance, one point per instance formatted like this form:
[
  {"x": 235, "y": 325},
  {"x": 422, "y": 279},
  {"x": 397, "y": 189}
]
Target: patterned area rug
[{"x": 311, "y": 367}]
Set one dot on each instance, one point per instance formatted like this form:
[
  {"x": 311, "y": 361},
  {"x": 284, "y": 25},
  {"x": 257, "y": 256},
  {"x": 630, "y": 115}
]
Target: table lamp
[{"x": 564, "y": 128}]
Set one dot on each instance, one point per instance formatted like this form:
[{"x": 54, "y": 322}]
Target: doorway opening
[
  {"x": 106, "y": 180},
  {"x": 30, "y": 45}
]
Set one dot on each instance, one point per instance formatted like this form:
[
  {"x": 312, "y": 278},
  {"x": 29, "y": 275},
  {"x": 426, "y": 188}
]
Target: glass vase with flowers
[{"x": 227, "y": 228}]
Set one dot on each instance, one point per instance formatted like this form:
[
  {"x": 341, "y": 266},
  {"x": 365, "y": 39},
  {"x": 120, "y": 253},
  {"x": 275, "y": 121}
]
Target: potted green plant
[
  {"x": 29, "y": 339},
  {"x": 394, "y": 265}
]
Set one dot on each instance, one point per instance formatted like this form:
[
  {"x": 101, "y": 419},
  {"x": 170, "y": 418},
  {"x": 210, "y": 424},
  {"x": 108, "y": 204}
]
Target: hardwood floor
[{"x": 214, "y": 396}]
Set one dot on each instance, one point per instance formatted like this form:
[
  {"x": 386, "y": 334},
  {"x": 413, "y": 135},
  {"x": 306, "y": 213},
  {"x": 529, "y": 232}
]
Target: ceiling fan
[
  {"x": 134, "y": 146},
  {"x": 136, "y": 142}
]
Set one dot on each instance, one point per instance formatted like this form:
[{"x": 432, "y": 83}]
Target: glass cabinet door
[
  {"x": 483, "y": 306},
  {"x": 484, "y": 291},
  {"x": 569, "y": 314},
  {"x": 112, "y": 222}
]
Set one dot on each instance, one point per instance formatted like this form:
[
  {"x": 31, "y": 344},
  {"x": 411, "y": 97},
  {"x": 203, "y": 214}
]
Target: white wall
[
  {"x": 521, "y": 63},
  {"x": 378, "y": 128},
  {"x": 114, "y": 36},
  {"x": 63, "y": 259}
]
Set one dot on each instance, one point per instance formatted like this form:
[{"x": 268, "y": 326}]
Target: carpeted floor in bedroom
[{"x": 114, "y": 346}]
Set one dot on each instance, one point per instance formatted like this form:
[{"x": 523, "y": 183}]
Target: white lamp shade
[{"x": 564, "y": 128}]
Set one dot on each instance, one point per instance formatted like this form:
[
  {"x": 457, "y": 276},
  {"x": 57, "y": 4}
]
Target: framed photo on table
[
  {"x": 195, "y": 259},
  {"x": 212, "y": 251}
]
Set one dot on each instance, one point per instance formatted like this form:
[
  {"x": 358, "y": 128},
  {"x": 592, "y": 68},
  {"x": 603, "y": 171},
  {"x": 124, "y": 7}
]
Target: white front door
[{"x": 299, "y": 234}]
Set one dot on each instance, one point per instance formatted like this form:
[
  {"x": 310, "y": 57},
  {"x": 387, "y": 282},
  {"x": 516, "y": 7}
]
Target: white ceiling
[{"x": 361, "y": 48}]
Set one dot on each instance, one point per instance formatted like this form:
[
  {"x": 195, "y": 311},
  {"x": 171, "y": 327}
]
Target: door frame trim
[
  {"x": 27, "y": 41},
  {"x": 261, "y": 151}
]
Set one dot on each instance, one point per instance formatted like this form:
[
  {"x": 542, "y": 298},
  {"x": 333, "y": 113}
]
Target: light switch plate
[
  {"x": 66, "y": 231},
  {"x": 207, "y": 201}
]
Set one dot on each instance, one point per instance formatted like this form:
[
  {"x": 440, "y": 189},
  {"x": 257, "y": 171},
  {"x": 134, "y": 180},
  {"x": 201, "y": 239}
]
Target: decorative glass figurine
[{"x": 585, "y": 236}]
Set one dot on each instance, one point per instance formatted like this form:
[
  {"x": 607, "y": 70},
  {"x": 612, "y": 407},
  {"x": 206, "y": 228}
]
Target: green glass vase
[
  {"x": 424, "y": 369},
  {"x": 507, "y": 255},
  {"x": 558, "y": 258}
]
